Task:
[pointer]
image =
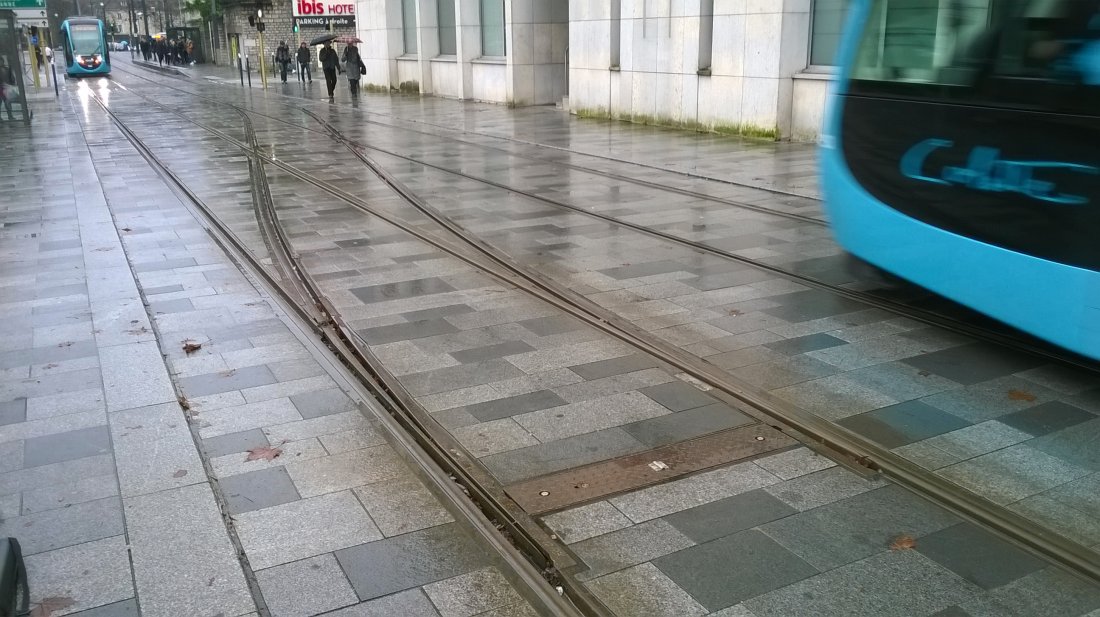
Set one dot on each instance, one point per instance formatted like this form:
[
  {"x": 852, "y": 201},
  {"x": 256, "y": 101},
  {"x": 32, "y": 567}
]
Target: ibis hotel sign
[{"x": 321, "y": 13}]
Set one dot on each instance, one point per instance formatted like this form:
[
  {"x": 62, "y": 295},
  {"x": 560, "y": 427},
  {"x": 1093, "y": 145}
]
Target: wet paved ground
[{"x": 529, "y": 391}]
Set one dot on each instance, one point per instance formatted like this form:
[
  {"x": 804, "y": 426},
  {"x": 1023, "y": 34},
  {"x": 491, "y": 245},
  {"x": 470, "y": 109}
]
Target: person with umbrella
[
  {"x": 353, "y": 64},
  {"x": 330, "y": 63}
]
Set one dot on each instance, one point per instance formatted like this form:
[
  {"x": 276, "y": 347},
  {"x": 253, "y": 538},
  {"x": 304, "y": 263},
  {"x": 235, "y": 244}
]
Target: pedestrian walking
[
  {"x": 282, "y": 58},
  {"x": 190, "y": 51},
  {"x": 330, "y": 64},
  {"x": 354, "y": 66},
  {"x": 304, "y": 57},
  {"x": 8, "y": 89}
]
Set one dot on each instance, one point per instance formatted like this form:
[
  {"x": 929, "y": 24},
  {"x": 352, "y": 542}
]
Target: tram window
[
  {"x": 1032, "y": 53},
  {"x": 86, "y": 39}
]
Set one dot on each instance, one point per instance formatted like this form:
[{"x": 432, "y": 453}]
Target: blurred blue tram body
[
  {"x": 961, "y": 151},
  {"x": 84, "y": 42}
]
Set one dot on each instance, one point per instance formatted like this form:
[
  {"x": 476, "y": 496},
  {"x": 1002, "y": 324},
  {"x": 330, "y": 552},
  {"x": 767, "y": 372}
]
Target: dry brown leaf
[
  {"x": 190, "y": 347},
  {"x": 47, "y": 606},
  {"x": 126, "y": 229},
  {"x": 184, "y": 402},
  {"x": 263, "y": 453},
  {"x": 180, "y": 473},
  {"x": 903, "y": 542},
  {"x": 1021, "y": 395}
]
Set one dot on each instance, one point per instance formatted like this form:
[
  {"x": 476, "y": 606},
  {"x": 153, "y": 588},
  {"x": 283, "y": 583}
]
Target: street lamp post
[{"x": 260, "y": 28}]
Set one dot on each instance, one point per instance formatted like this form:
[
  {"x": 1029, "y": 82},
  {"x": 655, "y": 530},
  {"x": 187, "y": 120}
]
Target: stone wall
[{"x": 279, "y": 22}]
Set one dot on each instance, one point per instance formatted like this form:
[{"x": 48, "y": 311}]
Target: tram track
[
  {"x": 959, "y": 325},
  {"x": 453, "y": 476},
  {"x": 810, "y": 428}
]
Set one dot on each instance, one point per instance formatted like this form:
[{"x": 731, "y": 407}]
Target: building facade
[{"x": 753, "y": 67}]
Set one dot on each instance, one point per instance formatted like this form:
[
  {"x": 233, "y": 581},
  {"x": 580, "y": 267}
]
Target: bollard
[
  {"x": 53, "y": 69},
  {"x": 240, "y": 69},
  {"x": 248, "y": 71}
]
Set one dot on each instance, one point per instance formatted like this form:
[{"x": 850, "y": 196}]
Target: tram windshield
[
  {"x": 86, "y": 39},
  {"x": 1015, "y": 53}
]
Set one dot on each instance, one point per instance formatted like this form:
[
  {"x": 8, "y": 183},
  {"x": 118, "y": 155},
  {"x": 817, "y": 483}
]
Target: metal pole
[
  {"x": 240, "y": 69},
  {"x": 33, "y": 51},
  {"x": 263, "y": 72},
  {"x": 77, "y": 3},
  {"x": 248, "y": 69},
  {"x": 53, "y": 68},
  {"x": 145, "y": 18}
]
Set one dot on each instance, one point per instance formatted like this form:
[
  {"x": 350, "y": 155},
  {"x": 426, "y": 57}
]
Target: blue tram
[
  {"x": 84, "y": 41},
  {"x": 961, "y": 152}
]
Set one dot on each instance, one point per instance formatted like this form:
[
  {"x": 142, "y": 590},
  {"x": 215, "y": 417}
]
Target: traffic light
[
  {"x": 260, "y": 27},
  {"x": 295, "y": 28},
  {"x": 252, "y": 20}
]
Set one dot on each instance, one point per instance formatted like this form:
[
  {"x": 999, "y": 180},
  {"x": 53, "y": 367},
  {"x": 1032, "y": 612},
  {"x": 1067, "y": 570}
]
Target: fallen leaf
[
  {"x": 903, "y": 542},
  {"x": 126, "y": 229},
  {"x": 210, "y": 583},
  {"x": 734, "y": 312},
  {"x": 65, "y": 344},
  {"x": 924, "y": 373},
  {"x": 47, "y": 606},
  {"x": 190, "y": 347},
  {"x": 184, "y": 402},
  {"x": 180, "y": 473},
  {"x": 141, "y": 330},
  {"x": 263, "y": 453},
  {"x": 1021, "y": 395},
  {"x": 231, "y": 372},
  {"x": 50, "y": 365}
]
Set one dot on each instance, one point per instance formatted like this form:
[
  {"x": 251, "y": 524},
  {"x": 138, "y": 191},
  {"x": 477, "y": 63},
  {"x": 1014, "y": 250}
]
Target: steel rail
[
  {"x": 1055, "y": 548},
  {"x": 448, "y": 474}
]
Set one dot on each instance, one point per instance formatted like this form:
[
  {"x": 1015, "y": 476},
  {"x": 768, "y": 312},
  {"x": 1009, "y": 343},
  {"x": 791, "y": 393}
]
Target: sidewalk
[{"x": 142, "y": 479}]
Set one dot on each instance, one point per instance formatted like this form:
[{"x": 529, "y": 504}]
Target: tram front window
[
  {"x": 85, "y": 39},
  {"x": 1015, "y": 53}
]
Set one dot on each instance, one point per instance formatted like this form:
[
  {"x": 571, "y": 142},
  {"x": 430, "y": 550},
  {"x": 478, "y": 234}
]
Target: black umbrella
[{"x": 324, "y": 38}]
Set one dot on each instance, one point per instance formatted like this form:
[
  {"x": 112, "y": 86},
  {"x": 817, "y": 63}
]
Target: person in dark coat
[
  {"x": 304, "y": 58},
  {"x": 330, "y": 63},
  {"x": 282, "y": 58},
  {"x": 354, "y": 66}
]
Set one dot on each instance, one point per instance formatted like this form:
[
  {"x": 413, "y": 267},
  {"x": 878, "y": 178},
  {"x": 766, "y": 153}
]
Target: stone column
[
  {"x": 427, "y": 40},
  {"x": 468, "y": 18}
]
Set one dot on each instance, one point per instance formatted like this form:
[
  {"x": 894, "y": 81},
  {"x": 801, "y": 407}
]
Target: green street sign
[{"x": 22, "y": 4}]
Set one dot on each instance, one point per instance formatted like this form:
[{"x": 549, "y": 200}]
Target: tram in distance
[
  {"x": 84, "y": 42},
  {"x": 961, "y": 152}
]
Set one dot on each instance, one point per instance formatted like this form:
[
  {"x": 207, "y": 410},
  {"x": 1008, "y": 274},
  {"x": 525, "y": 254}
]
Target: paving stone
[
  {"x": 354, "y": 439},
  {"x": 401, "y": 290},
  {"x": 978, "y": 556},
  {"x": 514, "y": 405},
  {"x": 56, "y": 474},
  {"x": 322, "y": 403},
  {"x": 589, "y": 416},
  {"x": 588, "y": 521},
  {"x": 413, "y": 559},
  {"x": 556, "y": 324},
  {"x": 257, "y": 489},
  {"x": 684, "y": 425},
  {"x": 678, "y": 396},
  {"x": 488, "y": 438},
  {"x": 53, "y": 529},
  {"x": 473, "y": 593},
  {"x": 317, "y": 427},
  {"x": 645, "y": 590},
  {"x": 291, "y": 452},
  {"x": 11, "y": 456},
  {"x": 726, "y": 571},
  {"x": 891, "y": 584},
  {"x": 402, "y": 505},
  {"x": 126, "y": 608},
  {"x": 1047, "y": 593},
  {"x": 904, "y": 423},
  {"x": 410, "y": 603},
  {"x": 184, "y": 563},
  {"x": 134, "y": 376},
  {"x": 728, "y": 516},
  {"x": 834, "y": 397},
  {"x": 802, "y": 344},
  {"x": 234, "y": 379},
  {"x": 12, "y": 412},
  {"x": 1046, "y": 418},
  {"x": 970, "y": 364},
  {"x": 346, "y": 470},
  {"x": 1072, "y": 445},
  {"x": 614, "y": 366},
  {"x": 437, "y": 313},
  {"x": 978, "y": 439},
  {"x": 793, "y": 463},
  {"x": 692, "y": 491},
  {"x": 821, "y": 487},
  {"x": 465, "y": 375},
  {"x": 233, "y": 443},
  {"x": 489, "y": 352},
  {"x": 66, "y": 495},
  {"x": 627, "y": 547},
  {"x": 851, "y": 529},
  {"x": 381, "y": 335},
  {"x": 239, "y": 418},
  {"x": 154, "y": 450},
  {"x": 305, "y": 528},
  {"x": 1060, "y": 517},
  {"x": 570, "y": 355},
  {"x": 93, "y": 574},
  {"x": 306, "y": 587},
  {"x": 1011, "y": 474},
  {"x": 66, "y": 446}
]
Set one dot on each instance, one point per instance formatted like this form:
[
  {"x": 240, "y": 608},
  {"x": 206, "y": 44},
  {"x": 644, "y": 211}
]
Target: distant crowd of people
[{"x": 168, "y": 51}]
